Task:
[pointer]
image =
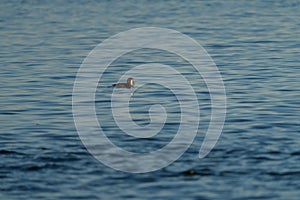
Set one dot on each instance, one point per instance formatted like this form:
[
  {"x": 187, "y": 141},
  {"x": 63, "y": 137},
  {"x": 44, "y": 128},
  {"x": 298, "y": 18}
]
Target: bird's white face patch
[{"x": 131, "y": 82}]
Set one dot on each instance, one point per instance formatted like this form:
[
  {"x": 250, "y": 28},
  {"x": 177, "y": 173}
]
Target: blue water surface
[{"x": 255, "y": 45}]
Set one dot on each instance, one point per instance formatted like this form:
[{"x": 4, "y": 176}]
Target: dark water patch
[
  {"x": 261, "y": 126},
  {"x": 286, "y": 124},
  {"x": 297, "y": 153},
  {"x": 34, "y": 167},
  {"x": 8, "y": 112},
  {"x": 236, "y": 151},
  {"x": 233, "y": 173},
  {"x": 240, "y": 120},
  {"x": 284, "y": 174},
  {"x": 262, "y": 158},
  {"x": 58, "y": 157},
  {"x": 5, "y": 152}
]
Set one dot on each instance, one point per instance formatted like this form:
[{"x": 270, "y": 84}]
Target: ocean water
[{"x": 255, "y": 45}]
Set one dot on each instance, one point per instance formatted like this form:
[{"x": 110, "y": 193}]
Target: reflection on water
[{"x": 255, "y": 46}]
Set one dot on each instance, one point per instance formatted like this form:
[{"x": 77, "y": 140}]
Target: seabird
[{"x": 129, "y": 84}]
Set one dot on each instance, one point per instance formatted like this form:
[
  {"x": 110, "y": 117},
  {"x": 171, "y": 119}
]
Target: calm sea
[{"x": 255, "y": 45}]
